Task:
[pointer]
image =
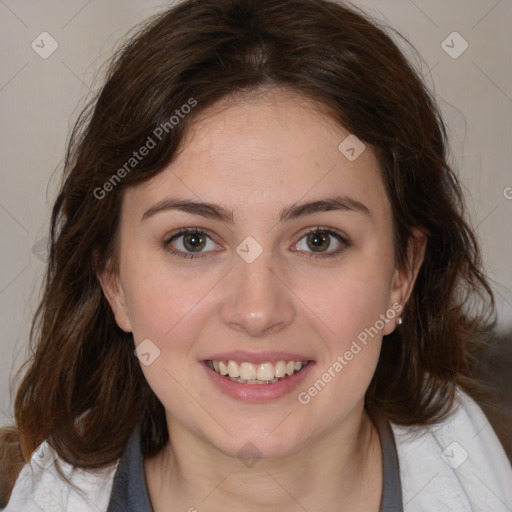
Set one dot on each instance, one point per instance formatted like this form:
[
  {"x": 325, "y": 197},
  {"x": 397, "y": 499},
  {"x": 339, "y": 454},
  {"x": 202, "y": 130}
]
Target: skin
[{"x": 255, "y": 156}]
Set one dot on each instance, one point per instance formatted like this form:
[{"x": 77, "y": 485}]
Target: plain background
[{"x": 41, "y": 98}]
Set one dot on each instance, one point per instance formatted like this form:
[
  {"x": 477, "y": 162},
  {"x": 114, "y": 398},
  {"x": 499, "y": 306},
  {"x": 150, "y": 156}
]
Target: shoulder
[
  {"x": 458, "y": 465},
  {"x": 40, "y": 487}
]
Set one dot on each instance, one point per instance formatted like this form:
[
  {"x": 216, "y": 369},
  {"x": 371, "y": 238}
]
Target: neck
[{"x": 342, "y": 471}]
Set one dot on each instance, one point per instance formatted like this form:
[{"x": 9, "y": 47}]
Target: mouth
[{"x": 244, "y": 372}]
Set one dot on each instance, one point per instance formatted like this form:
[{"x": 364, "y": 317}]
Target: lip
[
  {"x": 256, "y": 393},
  {"x": 257, "y": 357}
]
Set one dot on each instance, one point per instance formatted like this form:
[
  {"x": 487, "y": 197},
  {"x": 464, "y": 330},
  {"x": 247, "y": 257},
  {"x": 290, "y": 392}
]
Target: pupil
[
  {"x": 318, "y": 241},
  {"x": 194, "y": 241}
]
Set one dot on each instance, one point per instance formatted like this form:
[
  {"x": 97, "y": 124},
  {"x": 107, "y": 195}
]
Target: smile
[{"x": 248, "y": 373}]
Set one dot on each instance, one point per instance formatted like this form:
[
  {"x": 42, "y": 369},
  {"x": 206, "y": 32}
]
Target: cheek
[
  {"x": 347, "y": 304},
  {"x": 347, "y": 311},
  {"x": 161, "y": 299},
  {"x": 169, "y": 311},
  {"x": 350, "y": 299}
]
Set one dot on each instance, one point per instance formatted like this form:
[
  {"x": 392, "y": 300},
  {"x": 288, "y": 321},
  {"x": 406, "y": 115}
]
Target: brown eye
[
  {"x": 190, "y": 243},
  {"x": 318, "y": 242},
  {"x": 194, "y": 242}
]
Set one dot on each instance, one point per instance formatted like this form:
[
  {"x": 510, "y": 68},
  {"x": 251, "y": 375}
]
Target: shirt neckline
[{"x": 130, "y": 493}]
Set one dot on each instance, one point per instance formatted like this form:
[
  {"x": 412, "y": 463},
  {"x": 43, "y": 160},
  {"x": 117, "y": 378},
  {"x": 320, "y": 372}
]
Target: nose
[{"x": 258, "y": 301}]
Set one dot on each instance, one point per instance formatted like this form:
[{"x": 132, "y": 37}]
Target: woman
[{"x": 258, "y": 286}]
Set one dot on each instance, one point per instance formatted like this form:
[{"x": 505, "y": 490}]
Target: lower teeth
[{"x": 237, "y": 379}]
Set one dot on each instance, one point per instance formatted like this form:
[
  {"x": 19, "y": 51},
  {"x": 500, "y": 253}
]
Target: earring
[{"x": 399, "y": 320}]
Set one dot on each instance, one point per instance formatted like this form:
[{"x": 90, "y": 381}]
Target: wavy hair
[{"x": 82, "y": 364}]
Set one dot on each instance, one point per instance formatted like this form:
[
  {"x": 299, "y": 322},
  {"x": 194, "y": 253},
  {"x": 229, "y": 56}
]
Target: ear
[
  {"x": 114, "y": 293},
  {"x": 404, "y": 278}
]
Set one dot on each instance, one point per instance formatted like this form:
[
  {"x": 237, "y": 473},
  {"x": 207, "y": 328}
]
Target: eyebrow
[{"x": 217, "y": 212}]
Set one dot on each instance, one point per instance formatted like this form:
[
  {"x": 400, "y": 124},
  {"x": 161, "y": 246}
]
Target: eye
[
  {"x": 322, "y": 242},
  {"x": 190, "y": 243}
]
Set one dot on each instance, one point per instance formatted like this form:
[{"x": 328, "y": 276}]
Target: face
[{"x": 264, "y": 245}]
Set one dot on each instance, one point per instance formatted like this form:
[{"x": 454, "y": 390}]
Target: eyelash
[
  {"x": 182, "y": 232},
  {"x": 326, "y": 231},
  {"x": 196, "y": 231}
]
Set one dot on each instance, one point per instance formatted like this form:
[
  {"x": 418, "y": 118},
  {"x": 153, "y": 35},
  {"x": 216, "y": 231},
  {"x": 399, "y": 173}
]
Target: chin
[{"x": 251, "y": 447}]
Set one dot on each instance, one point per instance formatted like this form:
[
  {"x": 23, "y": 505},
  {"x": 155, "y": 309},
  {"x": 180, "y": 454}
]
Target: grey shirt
[{"x": 130, "y": 494}]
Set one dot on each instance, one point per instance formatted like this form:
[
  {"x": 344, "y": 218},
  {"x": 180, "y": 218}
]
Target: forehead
[{"x": 265, "y": 150}]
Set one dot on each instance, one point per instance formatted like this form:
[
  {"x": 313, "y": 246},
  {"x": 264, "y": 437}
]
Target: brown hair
[{"x": 201, "y": 51}]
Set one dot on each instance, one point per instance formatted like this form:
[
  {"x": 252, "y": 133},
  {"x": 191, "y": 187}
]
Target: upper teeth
[{"x": 263, "y": 372}]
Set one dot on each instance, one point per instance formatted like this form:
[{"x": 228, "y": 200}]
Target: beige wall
[{"x": 39, "y": 98}]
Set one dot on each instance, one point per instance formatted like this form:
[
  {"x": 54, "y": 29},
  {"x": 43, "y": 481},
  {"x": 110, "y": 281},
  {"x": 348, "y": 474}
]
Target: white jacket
[{"x": 457, "y": 466}]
